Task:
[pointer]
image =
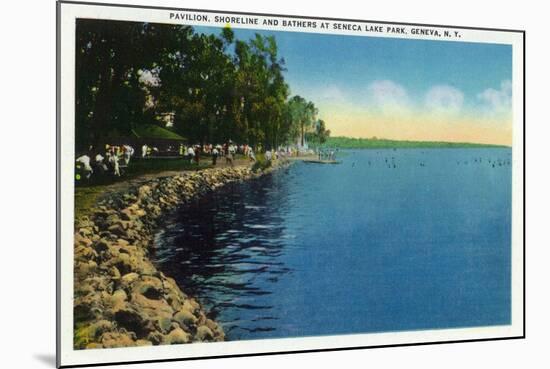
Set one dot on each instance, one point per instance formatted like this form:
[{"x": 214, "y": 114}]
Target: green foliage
[
  {"x": 303, "y": 114},
  {"x": 380, "y": 143},
  {"x": 139, "y": 167},
  {"x": 261, "y": 163},
  {"x": 153, "y": 131},
  {"x": 217, "y": 87},
  {"x": 319, "y": 135}
]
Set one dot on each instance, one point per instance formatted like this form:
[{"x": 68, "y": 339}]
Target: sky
[{"x": 400, "y": 88}]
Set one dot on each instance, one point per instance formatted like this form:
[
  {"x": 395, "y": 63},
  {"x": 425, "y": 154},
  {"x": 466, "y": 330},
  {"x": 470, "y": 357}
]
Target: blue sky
[{"x": 354, "y": 73}]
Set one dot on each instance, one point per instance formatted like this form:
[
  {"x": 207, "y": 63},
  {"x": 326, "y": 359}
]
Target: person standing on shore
[
  {"x": 128, "y": 153},
  {"x": 197, "y": 154},
  {"x": 85, "y": 161},
  {"x": 229, "y": 154},
  {"x": 113, "y": 160},
  {"x": 191, "y": 154},
  {"x": 251, "y": 154},
  {"x": 99, "y": 164},
  {"x": 215, "y": 153}
]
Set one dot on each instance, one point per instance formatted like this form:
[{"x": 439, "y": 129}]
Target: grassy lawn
[
  {"x": 88, "y": 191},
  {"x": 85, "y": 198},
  {"x": 140, "y": 167}
]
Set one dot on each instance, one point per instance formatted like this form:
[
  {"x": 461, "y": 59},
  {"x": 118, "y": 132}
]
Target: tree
[
  {"x": 303, "y": 113},
  {"x": 217, "y": 87},
  {"x": 109, "y": 95},
  {"x": 319, "y": 134}
]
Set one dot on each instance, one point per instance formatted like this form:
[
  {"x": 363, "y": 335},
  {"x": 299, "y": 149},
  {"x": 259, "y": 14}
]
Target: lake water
[{"x": 389, "y": 240}]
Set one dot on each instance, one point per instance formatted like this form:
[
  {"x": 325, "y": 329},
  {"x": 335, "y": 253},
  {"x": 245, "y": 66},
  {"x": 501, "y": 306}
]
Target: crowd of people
[
  {"x": 114, "y": 159},
  {"x": 111, "y": 160},
  {"x": 327, "y": 154}
]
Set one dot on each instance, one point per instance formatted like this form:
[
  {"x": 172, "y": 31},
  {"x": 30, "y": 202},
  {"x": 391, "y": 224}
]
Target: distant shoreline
[{"x": 376, "y": 143}]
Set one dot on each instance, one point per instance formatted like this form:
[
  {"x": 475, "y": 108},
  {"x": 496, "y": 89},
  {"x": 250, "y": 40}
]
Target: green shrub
[{"x": 261, "y": 163}]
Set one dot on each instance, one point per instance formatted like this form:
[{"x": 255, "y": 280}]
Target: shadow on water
[{"x": 225, "y": 249}]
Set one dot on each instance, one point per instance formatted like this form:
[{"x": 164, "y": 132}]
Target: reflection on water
[
  {"x": 225, "y": 248},
  {"x": 386, "y": 241}
]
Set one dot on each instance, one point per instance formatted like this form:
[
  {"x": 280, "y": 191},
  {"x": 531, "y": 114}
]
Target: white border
[{"x": 68, "y": 356}]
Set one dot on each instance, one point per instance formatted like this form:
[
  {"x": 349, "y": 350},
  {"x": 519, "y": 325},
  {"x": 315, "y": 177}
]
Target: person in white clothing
[
  {"x": 144, "y": 150},
  {"x": 85, "y": 161},
  {"x": 128, "y": 153},
  {"x": 100, "y": 164},
  {"x": 191, "y": 154},
  {"x": 113, "y": 160},
  {"x": 251, "y": 154}
]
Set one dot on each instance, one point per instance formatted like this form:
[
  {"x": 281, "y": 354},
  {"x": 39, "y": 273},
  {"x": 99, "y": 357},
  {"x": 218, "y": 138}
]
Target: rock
[
  {"x": 191, "y": 305},
  {"x": 125, "y": 263},
  {"x": 81, "y": 240},
  {"x": 85, "y": 268},
  {"x": 115, "y": 339},
  {"x": 117, "y": 229},
  {"x": 174, "y": 299},
  {"x": 140, "y": 213},
  {"x": 122, "y": 242},
  {"x": 115, "y": 273},
  {"x": 85, "y": 231},
  {"x": 150, "y": 287},
  {"x": 93, "y": 345},
  {"x": 155, "y": 338},
  {"x": 143, "y": 192},
  {"x": 211, "y": 324},
  {"x": 177, "y": 336},
  {"x": 185, "y": 318},
  {"x": 82, "y": 312},
  {"x": 132, "y": 321},
  {"x": 112, "y": 219},
  {"x": 101, "y": 245},
  {"x": 129, "y": 278},
  {"x": 151, "y": 308},
  {"x": 164, "y": 324},
  {"x": 119, "y": 297},
  {"x": 82, "y": 252},
  {"x": 204, "y": 333},
  {"x": 126, "y": 214},
  {"x": 116, "y": 283}
]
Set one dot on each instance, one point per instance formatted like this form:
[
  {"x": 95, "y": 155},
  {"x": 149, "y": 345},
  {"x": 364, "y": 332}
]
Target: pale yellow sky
[{"x": 405, "y": 124}]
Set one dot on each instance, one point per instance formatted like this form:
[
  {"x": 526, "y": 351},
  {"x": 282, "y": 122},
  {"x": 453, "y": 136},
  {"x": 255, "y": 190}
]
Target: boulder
[
  {"x": 150, "y": 287},
  {"x": 127, "y": 279},
  {"x": 156, "y": 338},
  {"x": 132, "y": 321},
  {"x": 101, "y": 245},
  {"x": 177, "y": 336},
  {"x": 116, "y": 339},
  {"x": 164, "y": 324},
  {"x": 185, "y": 318},
  {"x": 204, "y": 333}
]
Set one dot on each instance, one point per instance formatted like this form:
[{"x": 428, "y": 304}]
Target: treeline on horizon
[
  {"x": 381, "y": 143},
  {"x": 214, "y": 88}
]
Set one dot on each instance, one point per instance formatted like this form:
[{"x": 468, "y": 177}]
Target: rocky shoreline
[{"x": 120, "y": 298}]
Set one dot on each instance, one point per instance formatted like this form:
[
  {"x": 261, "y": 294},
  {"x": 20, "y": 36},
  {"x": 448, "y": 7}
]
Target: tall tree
[
  {"x": 217, "y": 87},
  {"x": 319, "y": 134},
  {"x": 108, "y": 95}
]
